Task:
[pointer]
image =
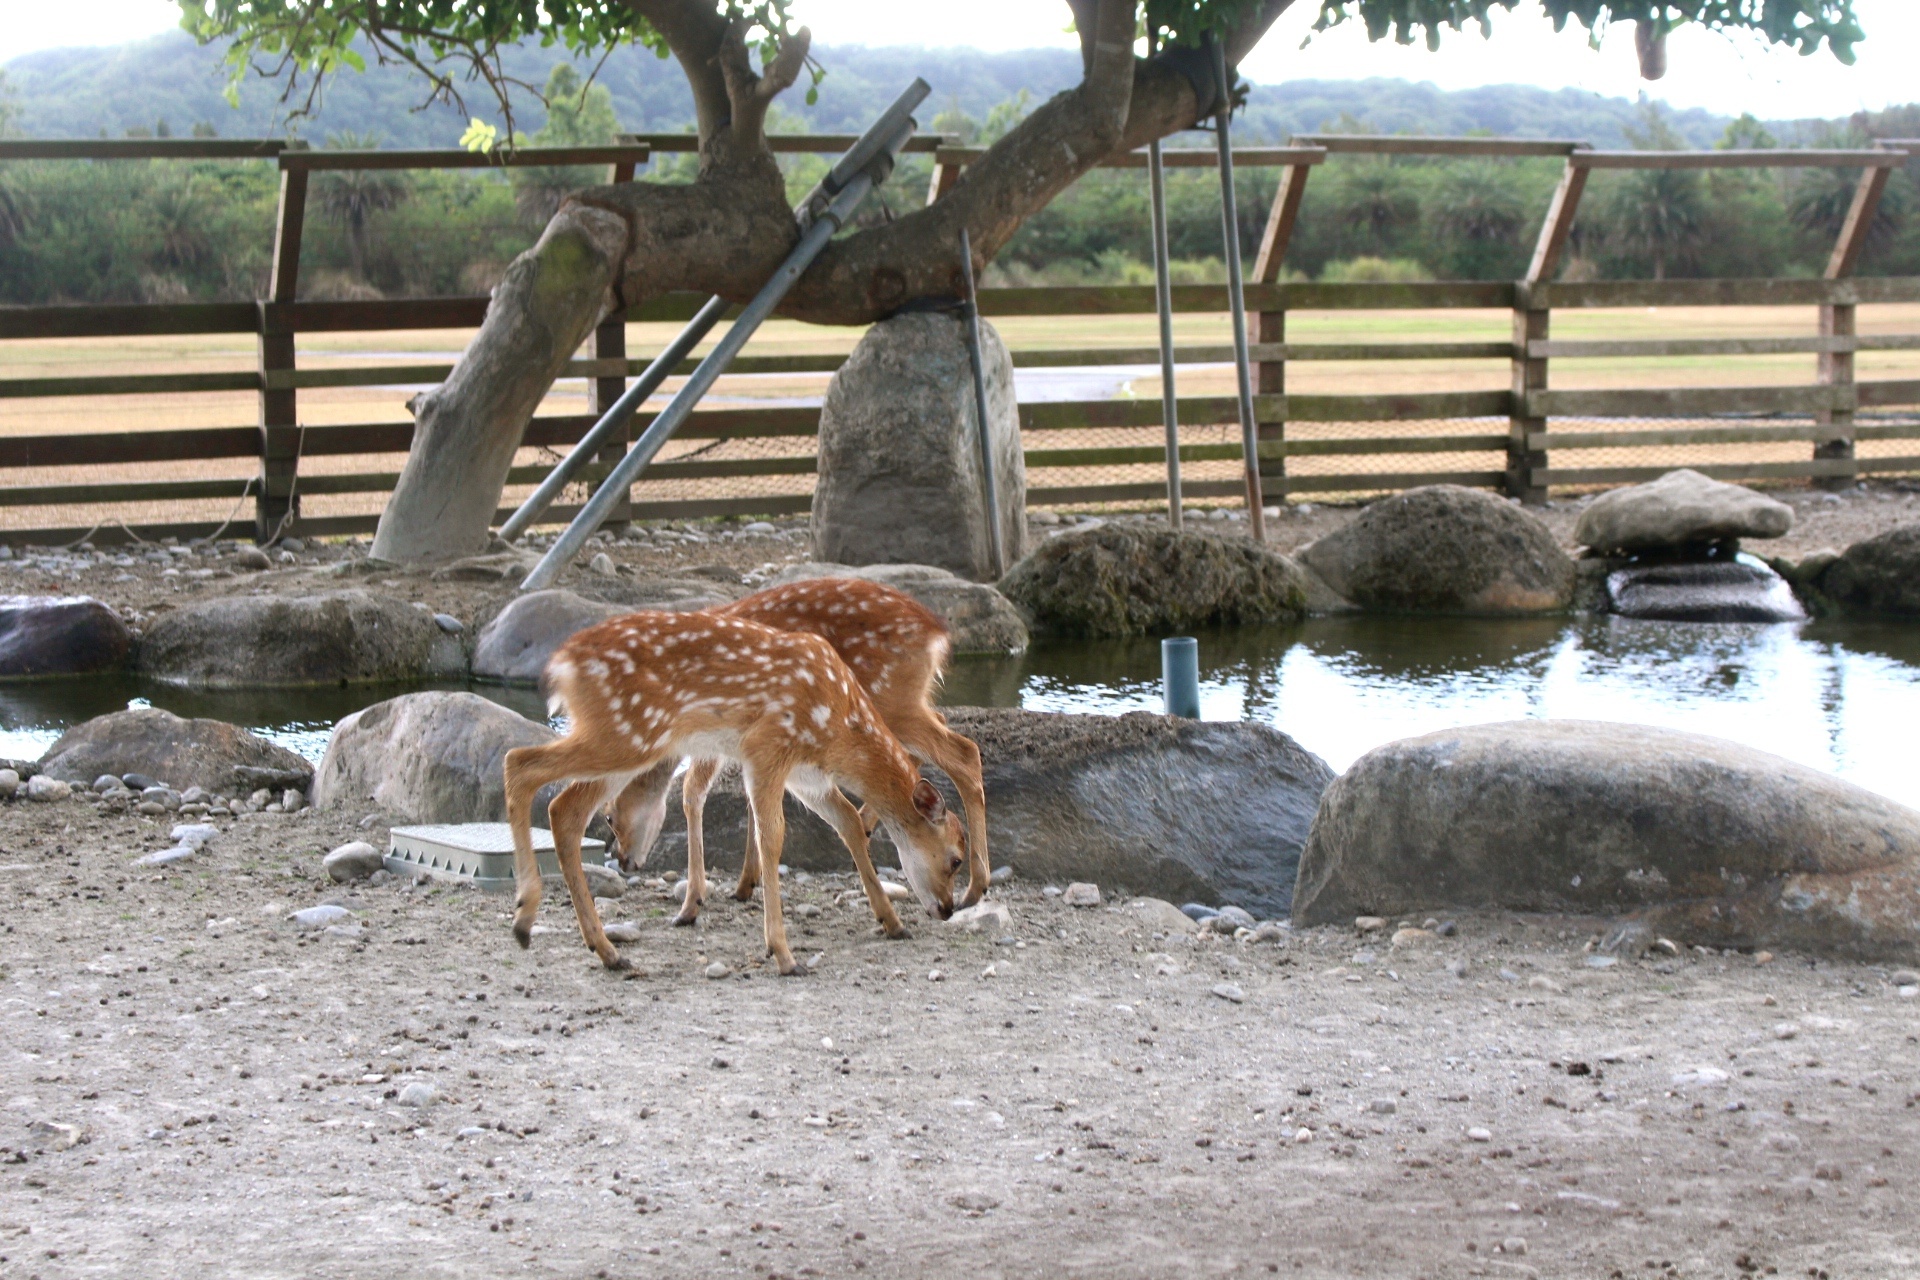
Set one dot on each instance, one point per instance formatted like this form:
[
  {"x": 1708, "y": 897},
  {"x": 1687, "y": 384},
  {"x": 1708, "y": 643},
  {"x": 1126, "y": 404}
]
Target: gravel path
[{"x": 1084, "y": 1098}]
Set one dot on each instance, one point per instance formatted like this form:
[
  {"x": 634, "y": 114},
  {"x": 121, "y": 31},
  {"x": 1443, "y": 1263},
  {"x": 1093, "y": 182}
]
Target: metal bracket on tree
[{"x": 874, "y": 154}]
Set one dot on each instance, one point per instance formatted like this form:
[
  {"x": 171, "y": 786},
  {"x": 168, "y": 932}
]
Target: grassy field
[{"x": 83, "y": 415}]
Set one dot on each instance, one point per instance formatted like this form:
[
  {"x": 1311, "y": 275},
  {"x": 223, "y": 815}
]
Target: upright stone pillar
[{"x": 900, "y": 479}]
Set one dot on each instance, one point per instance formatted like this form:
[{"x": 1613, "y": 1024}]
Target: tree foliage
[
  {"x": 1807, "y": 25},
  {"x": 455, "y": 44}
]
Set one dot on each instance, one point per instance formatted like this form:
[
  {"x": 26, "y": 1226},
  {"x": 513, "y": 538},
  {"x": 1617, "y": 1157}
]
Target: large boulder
[
  {"x": 1445, "y": 549},
  {"x": 1879, "y": 577},
  {"x": 1709, "y": 841},
  {"x": 1683, "y": 511},
  {"x": 978, "y": 617},
  {"x": 900, "y": 478},
  {"x": 515, "y": 643},
  {"x": 222, "y": 757},
  {"x": 335, "y": 638},
  {"x": 1703, "y": 591},
  {"x": 1133, "y": 579},
  {"x": 60, "y": 636},
  {"x": 424, "y": 757},
  {"x": 1178, "y": 809}
]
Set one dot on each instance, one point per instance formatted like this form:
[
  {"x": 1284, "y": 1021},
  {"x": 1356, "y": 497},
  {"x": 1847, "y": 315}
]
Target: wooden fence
[{"x": 1508, "y": 436}]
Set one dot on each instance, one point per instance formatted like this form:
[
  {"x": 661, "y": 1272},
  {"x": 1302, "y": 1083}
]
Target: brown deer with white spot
[
  {"x": 648, "y": 688},
  {"x": 898, "y": 649}
]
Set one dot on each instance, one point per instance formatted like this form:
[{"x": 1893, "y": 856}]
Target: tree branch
[
  {"x": 749, "y": 93},
  {"x": 694, "y": 31},
  {"x": 1123, "y": 103}
]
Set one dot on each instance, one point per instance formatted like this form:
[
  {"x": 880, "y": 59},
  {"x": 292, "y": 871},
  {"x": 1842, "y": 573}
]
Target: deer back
[{"x": 895, "y": 646}]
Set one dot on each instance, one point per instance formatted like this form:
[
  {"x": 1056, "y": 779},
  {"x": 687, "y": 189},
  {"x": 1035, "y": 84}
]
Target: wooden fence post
[
  {"x": 1838, "y": 320},
  {"x": 1270, "y": 327},
  {"x": 276, "y": 504},
  {"x": 1533, "y": 322},
  {"x": 944, "y": 176}
]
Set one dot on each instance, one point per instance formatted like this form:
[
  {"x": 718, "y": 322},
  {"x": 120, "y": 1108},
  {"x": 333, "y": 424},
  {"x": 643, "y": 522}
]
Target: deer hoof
[
  {"x": 685, "y": 917},
  {"x": 523, "y": 935},
  {"x": 617, "y": 963}
]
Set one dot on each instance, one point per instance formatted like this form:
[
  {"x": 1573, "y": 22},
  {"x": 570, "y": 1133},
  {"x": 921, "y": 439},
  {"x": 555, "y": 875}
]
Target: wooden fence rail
[{"x": 1517, "y": 436}]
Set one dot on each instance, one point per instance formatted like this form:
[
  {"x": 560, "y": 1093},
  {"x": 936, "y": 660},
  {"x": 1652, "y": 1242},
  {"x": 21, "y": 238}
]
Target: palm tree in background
[{"x": 351, "y": 197}]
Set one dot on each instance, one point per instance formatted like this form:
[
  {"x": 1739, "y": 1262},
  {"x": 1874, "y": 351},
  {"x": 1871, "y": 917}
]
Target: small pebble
[
  {"x": 418, "y": 1094},
  {"x": 48, "y": 790},
  {"x": 623, "y": 931},
  {"x": 321, "y": 916},
  {"x": 355, "y": 860},
  {"x": 1516, "y": 1245},
  {"x": 1369, "y": 924},
  {"x": 717, "y": 970},
  {"x": 602, "y": 564},
  {"x": 1229, "y": 992},
  {"x": 449, "y": 624},
  {"x": 1384, "y": 1106},
  {"x": 1081, "y": 894},
  {"x": 1477, "y": 1134},
  {"x": 9, "y": 783}
]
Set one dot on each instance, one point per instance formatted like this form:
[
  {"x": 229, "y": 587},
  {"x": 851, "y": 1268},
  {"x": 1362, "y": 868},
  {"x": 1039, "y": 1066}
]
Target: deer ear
[{"x": 926, "y": 798}]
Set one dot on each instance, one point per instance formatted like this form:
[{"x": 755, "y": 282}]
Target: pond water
[{"x": 1843, "y": 698}]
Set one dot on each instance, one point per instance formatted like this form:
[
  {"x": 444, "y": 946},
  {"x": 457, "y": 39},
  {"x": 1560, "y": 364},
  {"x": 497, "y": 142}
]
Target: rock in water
[
  {"x": 424, "y": 757},
  {"x": 1703, "y": 591},
  {"x": 1127, "y": 579},
  {"x": 211, "y": 754},
  {"x": 978, "y": 617},
  {"x": 1178, "y": 809},
  {"x": 1681, "y": 511},
  {"x": 1704, "y": 839},
  {"x": 900, "y": 478},
  {"x": 1445, "y": 549},
  {"x": 60, "y": 636},
  {"x": 1879, "y": 577},
  {"x": 338, "y": 637},
  {"x": 513, "y": 646}
]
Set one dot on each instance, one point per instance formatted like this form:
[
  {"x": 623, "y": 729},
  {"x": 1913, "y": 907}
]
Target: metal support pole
[
  {"x": 989, "y": 486},
  {"x": 1180, "y": 676},
  {"x": 1237, "y": 301},
  {"x": 856, "y": 161},
  {"x": 1163, "y": 303},
  {"x": 616, "y": 417},
  {"x": 661, "y": 429}
]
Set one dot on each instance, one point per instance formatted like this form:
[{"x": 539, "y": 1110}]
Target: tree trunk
[
  {"x": 613, "y": 247},
  {"x": 468, "y": 428}
]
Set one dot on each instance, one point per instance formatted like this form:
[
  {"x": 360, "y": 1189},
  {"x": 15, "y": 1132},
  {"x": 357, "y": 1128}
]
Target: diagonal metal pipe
[
  {"x": 857, "y": 159},
  {"x": 828, "y": 221}
]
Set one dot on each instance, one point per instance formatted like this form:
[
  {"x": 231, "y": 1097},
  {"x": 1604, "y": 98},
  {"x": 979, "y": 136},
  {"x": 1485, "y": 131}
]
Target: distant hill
[{"x": 83, "y": 92}]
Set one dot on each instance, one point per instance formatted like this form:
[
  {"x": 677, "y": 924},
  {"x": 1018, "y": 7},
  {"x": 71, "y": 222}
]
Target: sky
[{"x": 1718, "y": 73}]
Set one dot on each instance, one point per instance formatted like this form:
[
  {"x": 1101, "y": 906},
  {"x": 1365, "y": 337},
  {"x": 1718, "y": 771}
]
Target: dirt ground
[
  {"x": 137, "y": 581},
  {"x": 1077, "y": 1096}
]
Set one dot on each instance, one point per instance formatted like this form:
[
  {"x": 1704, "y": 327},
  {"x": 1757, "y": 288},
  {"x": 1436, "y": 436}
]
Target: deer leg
[
  {"x": 527, "y": 769},
  {"x": 640, "y": 812},
  {"x": 833, "y": 805},
  {"x": 764, "y": 794},
  {"x": 749, "y": 869},
  {"x": 693, "y": 802},
  {"x": 569, "y": 813}
]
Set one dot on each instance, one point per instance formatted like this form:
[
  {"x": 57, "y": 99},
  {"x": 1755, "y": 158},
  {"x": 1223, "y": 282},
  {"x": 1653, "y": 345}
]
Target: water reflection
[{"x": 1837, "y": 697}]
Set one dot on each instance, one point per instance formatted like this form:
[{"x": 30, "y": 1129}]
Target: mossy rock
[{"x": 1129, "y": 579}]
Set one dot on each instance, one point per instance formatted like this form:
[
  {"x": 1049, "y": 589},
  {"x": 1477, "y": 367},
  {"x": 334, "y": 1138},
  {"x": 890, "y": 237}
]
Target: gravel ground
[{"x": 195, "y": 1086}]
